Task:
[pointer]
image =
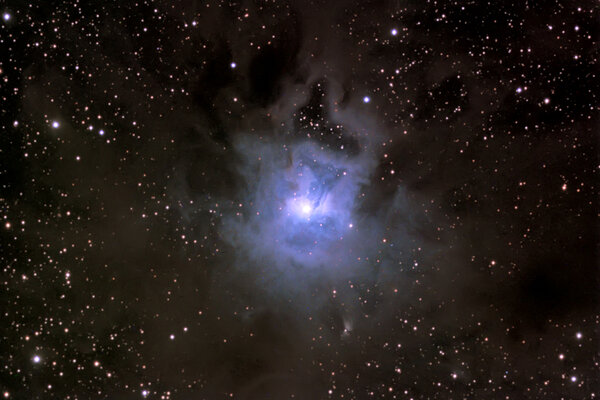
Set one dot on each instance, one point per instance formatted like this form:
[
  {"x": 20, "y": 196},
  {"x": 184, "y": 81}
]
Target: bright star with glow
[
  {"x": 300, "y": 207},
  {"x": 366, "y": 99},
  {"x": 306, "y": 209},
  {"x": 6, "y": 16}
]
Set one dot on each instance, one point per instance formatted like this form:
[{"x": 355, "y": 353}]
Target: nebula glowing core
[{"x": 303, "y": 201}]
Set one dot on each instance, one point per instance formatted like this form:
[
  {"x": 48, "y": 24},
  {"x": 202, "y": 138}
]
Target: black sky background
[{"x": 472, "y": 271}]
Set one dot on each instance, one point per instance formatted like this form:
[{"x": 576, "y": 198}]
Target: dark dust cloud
[{"x": 299, "y": 200}]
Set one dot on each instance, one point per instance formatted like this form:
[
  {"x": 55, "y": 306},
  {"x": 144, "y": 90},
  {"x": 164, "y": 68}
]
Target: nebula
[{"x": 301, "y": 203}]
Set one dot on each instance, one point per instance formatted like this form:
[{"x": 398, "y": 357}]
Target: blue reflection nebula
[
  {"x": 310, "y": 209},
  {"x": 303, "y": 198}
]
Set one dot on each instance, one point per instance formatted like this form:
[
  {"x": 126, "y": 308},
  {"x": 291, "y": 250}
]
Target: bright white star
[{"x": 300, "y": 207}]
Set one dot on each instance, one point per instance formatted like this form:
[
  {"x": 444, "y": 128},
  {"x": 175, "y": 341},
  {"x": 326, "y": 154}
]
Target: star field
[{"x": 299, "y": 200}]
